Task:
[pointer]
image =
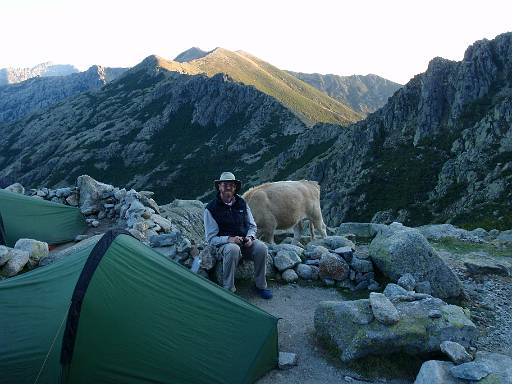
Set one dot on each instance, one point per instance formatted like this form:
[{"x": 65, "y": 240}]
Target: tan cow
[{"x": 283, "y": 204}]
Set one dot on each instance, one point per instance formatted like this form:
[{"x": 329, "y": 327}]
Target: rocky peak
[
  {"x": 190, "y": 54},
  {"x": 17, "y": 75}
]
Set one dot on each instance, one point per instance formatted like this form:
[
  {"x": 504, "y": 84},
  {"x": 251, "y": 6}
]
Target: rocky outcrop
[
  {"x": 364, "y": 94},
  {"x": 48, "y": 69},
  {"x": 415, "y": 158},
  {"x": 382, "y": 326}
]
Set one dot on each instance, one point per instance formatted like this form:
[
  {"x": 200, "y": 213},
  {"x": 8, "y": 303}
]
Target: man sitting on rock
[{"x": 229, "y": 225}]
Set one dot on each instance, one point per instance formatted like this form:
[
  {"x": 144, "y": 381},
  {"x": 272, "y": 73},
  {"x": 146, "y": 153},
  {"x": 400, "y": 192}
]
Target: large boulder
[
  {"x": 353, "y": 328},
  {"x": 91, "y": 194},
  {"x": 402, "y": 250},
  {"x": 187, "y": 217}
]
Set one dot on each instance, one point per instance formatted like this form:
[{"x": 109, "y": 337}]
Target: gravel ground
[
  {"x": 296, "y": 305},
  {"x": 490, "y": 301}
]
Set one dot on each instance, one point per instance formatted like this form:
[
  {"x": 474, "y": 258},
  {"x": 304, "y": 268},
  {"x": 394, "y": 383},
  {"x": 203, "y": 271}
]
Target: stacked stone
[
  {"x": 66, "y": 195},
  {"x": 332, "y": 260}
]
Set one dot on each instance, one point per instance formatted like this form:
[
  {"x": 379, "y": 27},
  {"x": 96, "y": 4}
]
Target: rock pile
[
  {"x": 332, "y": 260},
  {"x": 487, "y": 367}
]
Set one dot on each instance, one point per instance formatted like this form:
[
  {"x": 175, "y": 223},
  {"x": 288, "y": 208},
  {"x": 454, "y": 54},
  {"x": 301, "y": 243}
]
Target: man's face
[{"x": 227, "y": 189}]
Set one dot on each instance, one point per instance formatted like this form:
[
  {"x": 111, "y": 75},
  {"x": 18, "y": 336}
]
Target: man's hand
[
  {"x": 248, "y": 242},
  {"x": 236, "y": 239}
]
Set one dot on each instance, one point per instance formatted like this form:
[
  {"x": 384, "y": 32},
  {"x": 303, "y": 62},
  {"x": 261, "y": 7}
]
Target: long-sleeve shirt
[{"x": 211, "y": 228}]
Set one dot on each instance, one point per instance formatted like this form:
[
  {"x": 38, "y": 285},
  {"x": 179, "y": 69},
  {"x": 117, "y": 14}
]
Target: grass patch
[{"x": 460, "y": 247}]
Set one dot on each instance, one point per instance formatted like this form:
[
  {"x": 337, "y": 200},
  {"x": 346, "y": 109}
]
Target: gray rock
[
  {"x": 314, "y": 252},
  {"x": 455, "y": 352},
  {"x": 187, "y": 217},
  {"x": 363, "y": 266},
  {"x": 383, "y": 309},
  {"x": 397, "y": 293},
  {"x": 436, "y": 372},
  {"x": 423, "y": 287},
  {"x": 333, "y": 267},
  {"x": 5, "y": 254},
  {"x": 407, "y": 251},
  {"x": 63, "y": 192},
  {"x": 290, "y": 276},
  {"x": 166, "y": 239},
  {"x": 162, "y": 222},
  {"x": 505, "y": 236},
  {"x": 287, "y": 360},
  {"x": 208, "y": 257},
  {"x": 346, "y": 252},
  {"x": 73, "y": 200},
  {"x": 333, "y": 242},
  {"x": 488, "y": 265},
  {"x": 91, "y": 192},
  {"x": 500, "y": 365},
  {"x": 366, "y": 230},
  {"x": 474, "y": 370},
  {"x": 414, "y": 334},
  {"x": 286, "y": 259},
  {"x": 287, "y": 247},
  {"x": 312, "y": 262},
  {"x": 37, "y": 250},
  {"x": 447, "y": 231},
  {"x": 15, "y": 264},
  {"x": 16, "y": 188},
  {"x": 304, "y": 271},
  {"x": 407, "y": 281},
  {"x": 373, "y": 285}
]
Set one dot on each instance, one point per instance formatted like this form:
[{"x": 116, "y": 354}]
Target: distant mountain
[
  {"x": 162, "y": 130},
  {"x": 440, "y": 150},
  {"x": 17, "y": 75},
  {"x": 307, "y": 102},
  {"x": 36, "y": 94},
  {"x": 364, "y": 94},
  {"x": 190, "y": 54}
]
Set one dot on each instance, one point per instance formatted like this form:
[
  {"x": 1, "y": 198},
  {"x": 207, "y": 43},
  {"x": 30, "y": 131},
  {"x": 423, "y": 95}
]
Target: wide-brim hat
[{"x": 228, "y": 176}]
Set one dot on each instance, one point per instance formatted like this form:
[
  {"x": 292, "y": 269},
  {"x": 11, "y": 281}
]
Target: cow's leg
[
  {"x": 312, "y": 229},
  {"x": 319, "y": 224},
  {"x": 266, "y": 231},
  {"x": 297, "y": 231}
]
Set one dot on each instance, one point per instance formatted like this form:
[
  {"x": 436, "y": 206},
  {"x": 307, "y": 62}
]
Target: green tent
[
  {"x": 119, "y": 312},
  {"x": 26, "y": 217}
]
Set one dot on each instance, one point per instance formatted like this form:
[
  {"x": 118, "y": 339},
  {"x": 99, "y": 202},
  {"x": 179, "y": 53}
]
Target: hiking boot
[{"x": 264, "y": 293}]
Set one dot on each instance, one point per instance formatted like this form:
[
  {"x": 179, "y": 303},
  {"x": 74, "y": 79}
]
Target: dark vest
[{"x": 230, "y": 219}]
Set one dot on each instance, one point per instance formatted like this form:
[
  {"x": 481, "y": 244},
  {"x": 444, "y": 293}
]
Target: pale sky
[{"x": 391, "y": 38}]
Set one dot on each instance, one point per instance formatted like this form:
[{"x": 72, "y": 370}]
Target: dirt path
[{"x": 296, "y": 305}]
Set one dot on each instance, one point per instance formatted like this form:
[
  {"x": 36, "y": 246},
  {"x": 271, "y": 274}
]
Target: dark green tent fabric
[
  {"x": 27, "y": 217},
  {"x": 144, "y": 319}
]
